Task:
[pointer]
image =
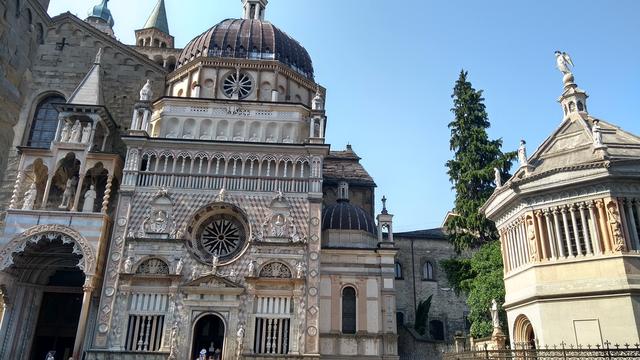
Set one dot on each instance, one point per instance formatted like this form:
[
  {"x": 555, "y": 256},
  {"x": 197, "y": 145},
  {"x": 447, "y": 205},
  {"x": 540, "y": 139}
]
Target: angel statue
[{"x": 563, "y": 62}]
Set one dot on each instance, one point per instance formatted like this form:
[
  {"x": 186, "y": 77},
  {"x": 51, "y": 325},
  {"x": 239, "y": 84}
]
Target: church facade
[{"x": 164, "y": 203}]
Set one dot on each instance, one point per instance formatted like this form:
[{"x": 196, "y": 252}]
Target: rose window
[
  {"x": 237, "y": 85},
  {"x": 220, "y": 230}
]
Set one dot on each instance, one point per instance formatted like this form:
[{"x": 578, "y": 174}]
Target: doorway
[{"x": 208, "y": 335}]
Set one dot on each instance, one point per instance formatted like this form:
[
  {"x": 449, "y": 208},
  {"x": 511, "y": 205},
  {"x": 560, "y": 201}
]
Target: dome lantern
[{"x": 254, "y": 9}]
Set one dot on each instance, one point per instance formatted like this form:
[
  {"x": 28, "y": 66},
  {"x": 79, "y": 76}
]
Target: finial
[
  {"x": 384, "y": 205},
  {"x": 522, "y": 153},
  {"x": 98, "y": 59},
  {"x": 254, "y": 9}
]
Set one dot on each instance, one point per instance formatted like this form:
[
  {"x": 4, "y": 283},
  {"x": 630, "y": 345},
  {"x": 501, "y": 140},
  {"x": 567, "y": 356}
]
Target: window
[
  {"x": 45, "y": 123},
  {"x": 427, "y": 271},
  {"x": 398, "y": 271},
  {"x": 146, "y": 321},
  {"x": 273, "y": 325},
  {"x": 436, "y": 329},
  {"x": 349, "y": 310}
]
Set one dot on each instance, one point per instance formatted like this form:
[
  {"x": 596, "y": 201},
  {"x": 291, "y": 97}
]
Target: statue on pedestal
[
  {"x": 214, "y": 263},
  {"x": 67, "y": 196},
  {"x": 89, "y": 199},
  {"x": 146, "y": 93},
  {"x": 86, "y": 134},
  {"x": 495, "y": 319},
  {"x": 252, "y": 268},
  {"x": 76, "y": 132},
  {"x": 65, "y": 134},
  {"x": 128, "y": 265},
  {"x": 299, "y": 270},
  {"x": 522, "y": 153},
  {"x": 30, "y": 197},
  {"x": 596, "y": 131},
  {"x": 497, "y": 177},
  {"x": 239, "y": 341},
  {"x": 179, "y": 267},
  {"x": 563, "y": 62}
]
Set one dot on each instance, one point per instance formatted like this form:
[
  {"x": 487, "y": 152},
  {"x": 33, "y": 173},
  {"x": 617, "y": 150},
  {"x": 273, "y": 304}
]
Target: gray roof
[
  {"x": 158, "y": 18},
  {"x": 345, "y": 165}
]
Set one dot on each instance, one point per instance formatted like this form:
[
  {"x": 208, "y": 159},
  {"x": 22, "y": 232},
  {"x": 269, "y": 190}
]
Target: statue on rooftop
[
  {"x": 522, "y": 153},
  {"x": 563, "y": 62},
  {"x": 146, "y": 93}
]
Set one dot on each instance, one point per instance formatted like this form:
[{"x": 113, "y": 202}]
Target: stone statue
[
  {"x": 232, "y": 274},
  {"x": 174, "y": 342},
  {"x": 214, "y": 263},
  {"x": 179, "y": 267},
  {"x": 271, "y": 139},
  {"x": 146, "y": 93},
  {"x": 563, "y": 62},
  {"x": 30, "y": 197},
  {"x": 497, "y": 177},
  {"x": 522, "y": 153},
  {"x": 76, "y": 132},
  {"x": 159, "y": 223},
  {"x": 252, "y": 268},
  {"x": 67, "y": 196},
  {"x": 254, "y": 138},
  {"x": 531, "y": 239},
  {"x": 89, "y": 199},
  {"x": 616, "y": 226},
  {"x": 221, "y": 195},
  {"x": 194, "y": 273},
  {"x": 317, "y": 103},
  {"x": 221, "y": 136},
  {"x": 50, "y": 355},
  {"x": 495, "y": 320},
  {"x": 597, "y": 133},
  {"x": 86, "y": 134},
  {"x": 128, "y": 265},
  {"x": 299, "y": 270},
  {"x": 65, "y": 134},
  {"x": 287, "y": 140},
  {"x": 239, "y": 341}
]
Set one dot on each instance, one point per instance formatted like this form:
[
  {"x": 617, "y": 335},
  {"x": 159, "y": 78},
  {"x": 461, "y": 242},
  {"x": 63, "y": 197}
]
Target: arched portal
[
  {"x": 208, "y": 335},
  {"x": 523, "y": 333}
]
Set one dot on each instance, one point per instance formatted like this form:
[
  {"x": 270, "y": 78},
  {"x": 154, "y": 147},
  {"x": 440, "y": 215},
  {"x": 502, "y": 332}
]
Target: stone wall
[
  {"x": 416, "y": 248},
  {"x": 413, "y": 347},
  {"x": 58, "y": 69}
]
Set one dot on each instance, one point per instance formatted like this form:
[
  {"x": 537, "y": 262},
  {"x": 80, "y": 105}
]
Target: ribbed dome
[
  {"x": 345, "y": 216},
  {"x": 101, "y": 11},
  {"x": 249, "y": 39}
]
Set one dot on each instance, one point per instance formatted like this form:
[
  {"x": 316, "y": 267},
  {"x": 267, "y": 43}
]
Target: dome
[
  {"x": 249, "y": 39},
  {"x": 101, "y": 11},
  {"x": 345, "y": 216}
]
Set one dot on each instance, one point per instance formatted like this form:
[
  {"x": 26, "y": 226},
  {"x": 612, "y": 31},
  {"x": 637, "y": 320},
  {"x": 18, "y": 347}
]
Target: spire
[
  {"x": 158, "y": 18},
  {"x": 89, "y": 91},
  {"x": 254, "y": 9},
  {"x": 573, "y": 99},
  {"x": 100, "y": 17}
]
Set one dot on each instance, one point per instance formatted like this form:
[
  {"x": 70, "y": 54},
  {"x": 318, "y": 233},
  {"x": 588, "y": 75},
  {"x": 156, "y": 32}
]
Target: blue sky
[{"x": 389, "y": 68}]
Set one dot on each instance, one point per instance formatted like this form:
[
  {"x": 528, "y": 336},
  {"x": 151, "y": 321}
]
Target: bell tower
[{"x": 254, "y": 9}]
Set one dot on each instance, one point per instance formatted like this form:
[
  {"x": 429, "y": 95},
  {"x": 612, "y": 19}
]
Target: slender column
[
  {"x": 107, "y": 194},
  {"x": 512, "y": 255},
  {"x": 576, "y": 234},
  {"x": 503, "y": 249},
  {"x": 77, "y": 194},
  {"x": 552, "y": 245},
  {"x": 47, "y": 188},
  {"x": 312, "y": 122},
  {"x": 507, "y": 241},
  {"x": 597, "y": 247},
  {"x": 556, "y": 222},
  {"x": 624, "y": 223},
  {"x": 542, "y": 240},
  {"x": 565, "y": 224},
  {"x": 604, "y": 229},
  {"x": 636, "y": 203},
  {"x": 84, "y": 316},
  {"x": 585, "y": 228},
  {"x": 522, "y": 229},
  {"x": 16, "y": 187},
  {"x": 632, "y": 224}
]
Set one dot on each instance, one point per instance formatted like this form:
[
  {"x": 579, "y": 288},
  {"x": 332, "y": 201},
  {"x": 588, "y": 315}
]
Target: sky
[{"x": 390, "y": 66}]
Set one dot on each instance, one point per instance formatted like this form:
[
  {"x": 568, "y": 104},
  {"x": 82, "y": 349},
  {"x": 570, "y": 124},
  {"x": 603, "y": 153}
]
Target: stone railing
[
  {"x": 204, "y": 181},
  {"x": 124, "y": 355}
]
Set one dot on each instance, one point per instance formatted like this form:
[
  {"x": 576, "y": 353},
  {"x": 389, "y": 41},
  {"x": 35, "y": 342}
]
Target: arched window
[
  {"x": 398, "y": 271},
  {"x": 436, "y": 329},
  {"x": 45, "y": 122},
  {"x": 349, "y": 310},
  {"x": 427, "y": 271},
  {"x": 580, "y": 106}
]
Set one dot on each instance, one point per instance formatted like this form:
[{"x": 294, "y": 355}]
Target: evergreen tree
[
  {"x": 472, "y": 173},
  {"x": 471, "y": 169}
]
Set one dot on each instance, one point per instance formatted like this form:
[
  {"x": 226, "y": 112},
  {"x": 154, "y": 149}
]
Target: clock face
[
  {"x": 222, "y": 235},
  {"x": 237, "y": 84}
]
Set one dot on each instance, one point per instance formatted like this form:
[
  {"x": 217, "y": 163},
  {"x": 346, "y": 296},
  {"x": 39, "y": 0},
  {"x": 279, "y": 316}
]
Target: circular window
[
  {"x": 218, "y": 229},
  {"x": 237, "y": 85},
  {"x": 221, "y": 234}
]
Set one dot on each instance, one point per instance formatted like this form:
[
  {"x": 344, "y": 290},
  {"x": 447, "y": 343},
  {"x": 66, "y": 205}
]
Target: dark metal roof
[
  {"x": 345, "y": 216},
  {"x": 434, "y": 234},
  {"x": 249, "y": 39}
]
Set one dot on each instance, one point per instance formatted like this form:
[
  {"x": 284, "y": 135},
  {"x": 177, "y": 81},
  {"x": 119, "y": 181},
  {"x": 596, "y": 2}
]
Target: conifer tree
[
  {"x": 471, "y": 172},
  {"x": 471, "y": 169}
]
